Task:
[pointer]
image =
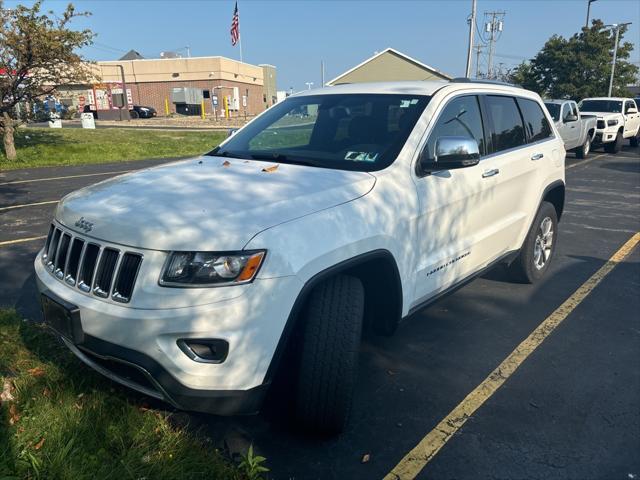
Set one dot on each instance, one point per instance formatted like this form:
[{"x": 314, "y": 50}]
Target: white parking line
[
  {"x": 588, "y": 160},
  {"x": 14, "y": 182},
  {"x": 28, "y": 205}
]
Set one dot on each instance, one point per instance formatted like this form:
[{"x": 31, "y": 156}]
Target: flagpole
[{"x": 239, "y": 36}]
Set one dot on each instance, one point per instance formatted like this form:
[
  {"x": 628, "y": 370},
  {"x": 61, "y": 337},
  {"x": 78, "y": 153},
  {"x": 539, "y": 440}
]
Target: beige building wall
[{"x": 270, "y": 87}]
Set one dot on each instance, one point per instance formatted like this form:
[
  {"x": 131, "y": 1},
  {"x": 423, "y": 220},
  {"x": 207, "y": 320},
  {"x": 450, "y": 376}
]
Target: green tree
[
  {"x": 37, "y": 54},
  {"x": 579, "y": 66}
]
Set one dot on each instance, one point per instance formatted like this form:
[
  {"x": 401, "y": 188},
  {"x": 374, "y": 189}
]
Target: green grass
[
  {"x": 43, "y": 147},
  {"x": 67, "y": 422}
]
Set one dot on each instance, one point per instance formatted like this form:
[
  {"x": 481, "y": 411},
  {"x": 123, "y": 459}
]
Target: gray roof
[{"x": 131, "y": 55}]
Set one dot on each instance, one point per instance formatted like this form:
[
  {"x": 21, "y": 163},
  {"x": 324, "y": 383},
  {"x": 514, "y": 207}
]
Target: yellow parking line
[
  {"x": 28, "y": 205},
  {"x": 65, "y": 177},
  {"x": 21, "y": 240},
  {"x": 413, "y": 463}
]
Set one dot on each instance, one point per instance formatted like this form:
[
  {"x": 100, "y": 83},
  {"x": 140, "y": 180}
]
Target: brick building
[{"x": 150, "y": 83}]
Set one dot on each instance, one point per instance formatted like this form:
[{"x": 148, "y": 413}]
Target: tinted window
[
  {"x": 613, "y": 106},
  {"x": 628, "y": 105},
  {"x": 535, "y": 122},
  {"x": 554, "y": 110},
  {"x": 344, "y": 131},
  {"x": 460, "y": 118},
  {"x": 508, "y": 131},
  {"x": 566, "y": 111}
]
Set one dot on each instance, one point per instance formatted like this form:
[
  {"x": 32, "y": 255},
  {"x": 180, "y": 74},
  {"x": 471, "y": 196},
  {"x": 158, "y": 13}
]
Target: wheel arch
[
  {"x": 554, "y": 193},
  {"x": 379, "y": 274}
]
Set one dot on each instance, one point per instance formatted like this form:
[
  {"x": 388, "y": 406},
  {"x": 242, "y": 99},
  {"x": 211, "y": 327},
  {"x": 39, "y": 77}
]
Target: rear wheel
[
  {"x": 134, "y": 114},
  {"x": 615, "y": 146},
  {"x": 538, "y": 248},
  {"x": 583, "y": 151},
  {"x": 330, "y": 340}
]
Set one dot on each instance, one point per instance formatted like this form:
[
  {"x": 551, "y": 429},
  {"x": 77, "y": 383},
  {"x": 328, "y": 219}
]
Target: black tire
[
  {"x": 615, "y": 146},
  {"x": 134, "y": 114},
  {"x": 527, "y": 268},
  {"x": 330, "y": 340},
  {"x": 583, "y": 151}
]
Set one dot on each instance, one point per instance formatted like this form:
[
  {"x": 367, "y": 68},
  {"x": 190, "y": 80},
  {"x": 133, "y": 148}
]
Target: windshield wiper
[{"x": 281, "y": 158}]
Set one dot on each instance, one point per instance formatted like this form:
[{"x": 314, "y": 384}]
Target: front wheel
[
  {"x": 538, "y": 248},
  {"x": 615, "y": 146},
  {"x": 583, "y": 151},
  {"x": 329, "y": 347}
]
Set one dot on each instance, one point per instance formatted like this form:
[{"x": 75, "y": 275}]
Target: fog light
[{"x": 205, "y": 350}]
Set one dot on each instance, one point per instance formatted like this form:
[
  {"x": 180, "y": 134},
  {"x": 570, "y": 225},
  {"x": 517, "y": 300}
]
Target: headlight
[
  {"x": 612, "y": 123},
  {"x": 210, "y": 269}
]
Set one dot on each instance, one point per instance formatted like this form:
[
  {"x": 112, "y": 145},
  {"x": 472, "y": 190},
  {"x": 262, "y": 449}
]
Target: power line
[{"x": 493, "y": 26}]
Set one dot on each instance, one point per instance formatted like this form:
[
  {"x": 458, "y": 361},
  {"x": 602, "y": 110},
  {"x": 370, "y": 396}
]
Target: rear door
[{"x": 517, "y": 158}]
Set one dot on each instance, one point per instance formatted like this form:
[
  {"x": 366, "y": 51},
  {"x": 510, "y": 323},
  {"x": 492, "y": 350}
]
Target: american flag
[{"x": 235, "y": 26}]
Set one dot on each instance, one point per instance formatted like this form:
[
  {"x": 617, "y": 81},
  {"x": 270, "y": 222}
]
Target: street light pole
[
  {"x": 589, "y": 2},
  {"x": 308, "y": 84},
  {"x": 472, "y": 23},
  {"x": 617, "y": 28}
]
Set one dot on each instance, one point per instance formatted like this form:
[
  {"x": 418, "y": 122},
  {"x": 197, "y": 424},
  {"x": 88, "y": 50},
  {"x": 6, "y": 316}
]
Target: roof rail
[{"x": 477, "y": 80}]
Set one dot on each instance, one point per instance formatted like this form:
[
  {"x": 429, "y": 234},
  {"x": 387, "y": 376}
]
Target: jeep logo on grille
[{"x": 84, "y": 225}]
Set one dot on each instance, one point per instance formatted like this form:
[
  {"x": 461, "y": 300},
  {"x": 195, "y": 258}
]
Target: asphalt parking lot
[{"x": 571, "y": 410}]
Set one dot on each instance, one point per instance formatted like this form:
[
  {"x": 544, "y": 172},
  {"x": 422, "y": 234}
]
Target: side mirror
[
  {"x": 231, "y": 132},
  {"x": 451, "y": 153},
  {"x": 632, "y": 110},
  {"x": 570, "y": 118}
]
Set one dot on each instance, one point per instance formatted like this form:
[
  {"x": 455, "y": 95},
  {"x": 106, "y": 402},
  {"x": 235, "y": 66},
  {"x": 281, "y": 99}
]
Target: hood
[
  {"x": 601, "y": 115},
  {"x": 206, "y": 203}
]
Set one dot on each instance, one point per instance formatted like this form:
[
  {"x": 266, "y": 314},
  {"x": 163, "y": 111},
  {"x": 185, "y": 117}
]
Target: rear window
[
  {"x": 535, "y": 121},
  {"x": 362, "y": 132},
  {"x": 612, "y": 106},
  {"x": 508, "y": 131}
]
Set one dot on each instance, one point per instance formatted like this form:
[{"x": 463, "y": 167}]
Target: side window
[
  {"x": 508, "y": 131},
  {"x": 460, "y": 118},
  {"x": 574, "y": 109},
  {"x": 535, "y": 121},
  {"x": 566, "y": 111},
  {"x": 628, "y": 105}
]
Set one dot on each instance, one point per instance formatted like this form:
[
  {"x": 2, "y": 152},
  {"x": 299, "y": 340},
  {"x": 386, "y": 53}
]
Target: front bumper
[
  {"x": 604, "y": 136},
  {"x": 138, "y": 347}
]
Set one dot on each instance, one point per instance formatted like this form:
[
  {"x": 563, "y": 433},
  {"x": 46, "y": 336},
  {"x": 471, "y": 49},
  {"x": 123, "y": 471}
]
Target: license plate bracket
[{"x": 62, "y": 317}]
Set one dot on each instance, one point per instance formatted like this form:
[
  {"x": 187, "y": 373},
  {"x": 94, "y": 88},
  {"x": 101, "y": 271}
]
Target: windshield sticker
[
  {"x": 407, "y": 103},
  {"x": 361, "y": 156}
]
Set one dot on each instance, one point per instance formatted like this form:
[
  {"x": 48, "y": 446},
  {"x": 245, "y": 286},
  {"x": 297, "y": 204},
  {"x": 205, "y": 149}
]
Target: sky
[{"x": 296, "y": 35}]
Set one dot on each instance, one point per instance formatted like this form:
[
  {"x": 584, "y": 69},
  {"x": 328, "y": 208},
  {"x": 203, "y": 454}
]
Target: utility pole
[
  {"x": 616, "y": 27},
  {"x": 472, "y": 24},
  {"x": 494, "y": 22},
  {"x": 478, "y": 49},
  {"x": 589, "y": 2}
]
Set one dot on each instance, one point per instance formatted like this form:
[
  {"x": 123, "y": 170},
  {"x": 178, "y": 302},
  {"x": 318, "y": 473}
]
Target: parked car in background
[
  {"x": 576, "y": 129},
  {"x": 139, "y": 111},
  {"x": 201, "y": 282},
  {"x": 618, "y": 119}
]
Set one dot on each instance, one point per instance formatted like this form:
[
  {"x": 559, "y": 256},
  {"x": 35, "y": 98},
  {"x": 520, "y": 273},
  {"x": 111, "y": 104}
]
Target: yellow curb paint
[
  {"x": 413, "y": 463},
  {"x": 28, "y": 205},
  {"x": 21, "y": 240}
]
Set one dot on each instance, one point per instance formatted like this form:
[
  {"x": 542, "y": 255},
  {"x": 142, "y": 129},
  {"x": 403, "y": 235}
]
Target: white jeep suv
[{"x": 337, "y": 209}]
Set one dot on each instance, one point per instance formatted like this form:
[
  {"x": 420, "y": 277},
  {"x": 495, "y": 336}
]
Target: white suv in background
[
  {"x": 337, "y": 209},
  {"x": 618, "y": 118}
]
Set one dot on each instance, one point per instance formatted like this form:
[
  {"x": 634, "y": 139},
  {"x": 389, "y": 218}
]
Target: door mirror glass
[
  {"x": 570, "y": 118},
  {"x": 452, "y": 153}
]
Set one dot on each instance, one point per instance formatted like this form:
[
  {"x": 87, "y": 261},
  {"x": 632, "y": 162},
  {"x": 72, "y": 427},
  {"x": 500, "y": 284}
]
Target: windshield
[
  {"x": 362, "y": 132},
  {"x": 554, "y": 110},
  {"x": 613, "y": 106}
]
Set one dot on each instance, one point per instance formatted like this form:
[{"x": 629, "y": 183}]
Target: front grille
[
  {"x": 90, "y": 267},
  {"x": 600, "y": 123}
]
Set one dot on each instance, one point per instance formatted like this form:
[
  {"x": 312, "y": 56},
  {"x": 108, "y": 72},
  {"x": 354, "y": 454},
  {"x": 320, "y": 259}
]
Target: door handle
[
  {"x": 537, "y": 156},
  {"x": 490, "y": 173}
]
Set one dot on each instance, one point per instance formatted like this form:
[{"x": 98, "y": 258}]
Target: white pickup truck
[
  {"x": 618, "y": 118},
  {"x": 576, "y": 129}
]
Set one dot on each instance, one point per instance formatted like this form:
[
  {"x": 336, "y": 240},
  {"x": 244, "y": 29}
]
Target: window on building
[
  {"x": 508, "y": 131},
  {"x": 206, "y": 94}
]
